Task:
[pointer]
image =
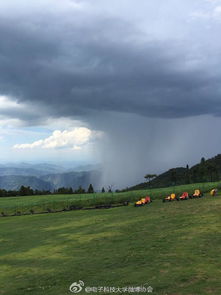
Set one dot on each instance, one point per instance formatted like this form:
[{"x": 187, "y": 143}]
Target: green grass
[
  {"x": 174, "y": 247},
  {"x": 23, "y": 205}
]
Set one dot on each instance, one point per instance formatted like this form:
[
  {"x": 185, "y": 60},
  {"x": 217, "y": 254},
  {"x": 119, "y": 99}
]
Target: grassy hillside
[
  {"x": 205, "y": 171},
  {"x": 36, "y": 204},
  {"x": 173, "y": 247},
  {"x": 164, "y": 179}
]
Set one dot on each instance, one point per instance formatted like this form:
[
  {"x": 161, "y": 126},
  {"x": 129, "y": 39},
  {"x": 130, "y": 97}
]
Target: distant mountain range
[
  {"x": 14, "y": 182},
  {"x": 74, "y": 179},
  {"x": 45, "y": 176},
  {"x": 27, "y": 169}
]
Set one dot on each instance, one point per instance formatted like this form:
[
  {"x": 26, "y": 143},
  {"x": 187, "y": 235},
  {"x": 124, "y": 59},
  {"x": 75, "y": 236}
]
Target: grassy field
[
  {"x": 174, "y": 247},
  {"x": 14, "y": 205}
]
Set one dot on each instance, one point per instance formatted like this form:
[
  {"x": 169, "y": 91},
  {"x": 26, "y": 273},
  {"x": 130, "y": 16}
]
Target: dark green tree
[
  {"x": 149, "y": 177},
  {"x": 110, "y": 188},
  {"x": 80, "y": 190},
  {"x": 202, "y": 161},
  {"x": 3, "y": 193},
  {"x": 70, "y": 190},
  {"x": 90, "y": 189},
  {"x": 25, "y": 191}
]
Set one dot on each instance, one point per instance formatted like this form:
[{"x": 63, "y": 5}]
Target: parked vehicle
[
  {"x": 197, "y": 194},
  {"x": 213, "y": 192},
  {"x": 184, "y": 196},
  {"x": 171, "y": 197},
  {"x": 143, "y": 201}
]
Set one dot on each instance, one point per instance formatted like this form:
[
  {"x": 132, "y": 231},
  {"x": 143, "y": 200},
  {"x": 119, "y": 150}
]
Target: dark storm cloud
[
  {"x": 73, "y": 67},
  {"x": 123, "y": 68}
]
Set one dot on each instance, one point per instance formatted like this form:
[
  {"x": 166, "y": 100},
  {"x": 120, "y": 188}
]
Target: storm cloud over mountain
[{"x": 148, "y": 75}]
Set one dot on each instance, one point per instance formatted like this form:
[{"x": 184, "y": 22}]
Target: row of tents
[{"x": 173, "y": 197}]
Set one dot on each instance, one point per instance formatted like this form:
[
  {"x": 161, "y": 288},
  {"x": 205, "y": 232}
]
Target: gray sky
[{"x": 133, "y": 84}]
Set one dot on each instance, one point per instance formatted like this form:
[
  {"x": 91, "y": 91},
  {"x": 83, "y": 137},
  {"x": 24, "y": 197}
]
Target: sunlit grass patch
[{"x": 175, "y": 247}]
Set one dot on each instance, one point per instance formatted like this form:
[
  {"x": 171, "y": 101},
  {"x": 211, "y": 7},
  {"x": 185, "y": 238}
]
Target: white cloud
[
  {"x": 63, "y": 123},
  {"x": 213, "y": 12},
  {"x": 200, "y": 15},
  {"x": 6, "y": 102},
  {"x": 14, "y": 113},
  {"x": 10, "y": 123},
  {"x": 74, "y": 139},
  {"x": 217, "y": 11}
]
